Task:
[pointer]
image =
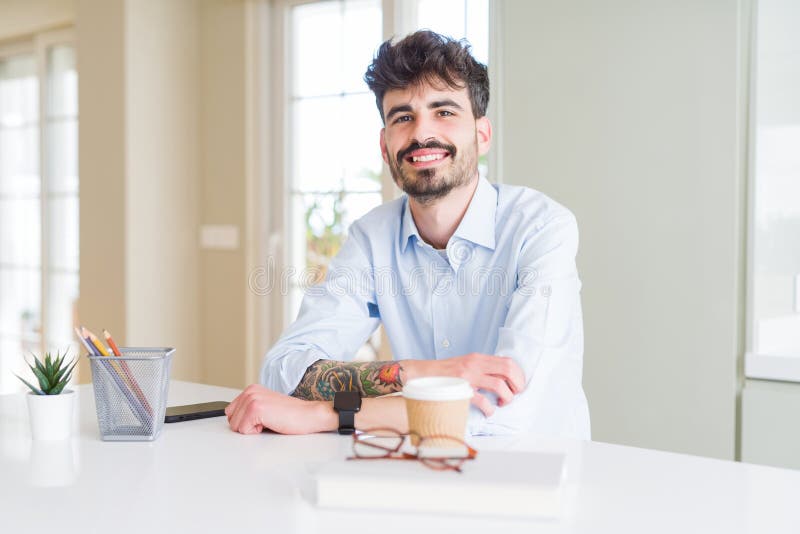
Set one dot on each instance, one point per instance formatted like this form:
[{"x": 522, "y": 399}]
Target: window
[
  {"x": 335, "y": 173},
  {"x": 774, "y": 306},
  {"x": 38, "y": 201},
  {"x": 335, "y": 166}
]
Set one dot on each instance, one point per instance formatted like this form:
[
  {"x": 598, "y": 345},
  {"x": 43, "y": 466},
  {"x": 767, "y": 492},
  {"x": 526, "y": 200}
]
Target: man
[{"x": 468, "y": 278}]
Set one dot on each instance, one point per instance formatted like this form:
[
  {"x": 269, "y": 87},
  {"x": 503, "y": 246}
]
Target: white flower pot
[{"x": 51, "y": 415}]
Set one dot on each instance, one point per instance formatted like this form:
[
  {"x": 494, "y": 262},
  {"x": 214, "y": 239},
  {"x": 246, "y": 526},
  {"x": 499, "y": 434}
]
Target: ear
[
  {"x": 383, "y": 145},
  {"x": 483, "y": 130}
]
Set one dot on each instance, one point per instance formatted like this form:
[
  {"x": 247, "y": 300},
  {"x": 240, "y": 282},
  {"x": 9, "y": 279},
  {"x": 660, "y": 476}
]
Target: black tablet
[{"x": 188, "y": 412}]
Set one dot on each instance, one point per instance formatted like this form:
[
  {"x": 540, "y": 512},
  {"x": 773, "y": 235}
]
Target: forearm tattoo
[{"x": 323, "y": 378}]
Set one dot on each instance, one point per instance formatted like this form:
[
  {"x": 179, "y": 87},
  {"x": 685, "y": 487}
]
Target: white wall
[{"x": 627, "y": 112}]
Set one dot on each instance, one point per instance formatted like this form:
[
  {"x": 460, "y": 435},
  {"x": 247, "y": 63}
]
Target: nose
[{"x": 423, "y": 129}]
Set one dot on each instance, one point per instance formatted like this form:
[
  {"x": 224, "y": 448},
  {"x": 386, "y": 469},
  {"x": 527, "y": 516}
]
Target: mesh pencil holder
[{"x": 130, "y": 392}]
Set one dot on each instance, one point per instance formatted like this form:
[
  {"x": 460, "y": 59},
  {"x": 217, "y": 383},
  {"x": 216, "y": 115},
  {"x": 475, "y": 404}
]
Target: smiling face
[{"x": 432, "y": 140}]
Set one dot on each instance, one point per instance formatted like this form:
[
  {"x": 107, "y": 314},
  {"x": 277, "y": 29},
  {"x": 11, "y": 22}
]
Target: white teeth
[{"x": 429, "y": 157}]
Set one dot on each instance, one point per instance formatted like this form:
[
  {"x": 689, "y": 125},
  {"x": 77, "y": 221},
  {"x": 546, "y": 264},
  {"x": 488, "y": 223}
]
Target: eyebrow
[
  {"x": 433, "y": 105},
  {"x": 397, "y": 109},
  {"x": 444, "y": 103}
]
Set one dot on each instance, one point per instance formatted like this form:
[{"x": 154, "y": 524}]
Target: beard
[{"x": 428, "y": 185}]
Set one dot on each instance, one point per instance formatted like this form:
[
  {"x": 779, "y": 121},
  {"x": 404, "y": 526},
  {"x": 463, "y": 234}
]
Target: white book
[{"x": 496, "y": 483}]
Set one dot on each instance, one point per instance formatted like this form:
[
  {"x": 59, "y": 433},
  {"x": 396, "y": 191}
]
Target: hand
[
  {"x": 258, "y": 408},
  {"x": 498, "y": 374}
]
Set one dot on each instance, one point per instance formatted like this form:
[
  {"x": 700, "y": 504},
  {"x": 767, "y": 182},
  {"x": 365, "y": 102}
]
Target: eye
[
  {"x": 446, "y": 113},
  {"x": 402, "y": 118}
]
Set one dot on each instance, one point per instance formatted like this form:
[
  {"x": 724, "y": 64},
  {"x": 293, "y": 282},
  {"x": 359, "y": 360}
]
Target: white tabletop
[{"x": 198, "y": 476}]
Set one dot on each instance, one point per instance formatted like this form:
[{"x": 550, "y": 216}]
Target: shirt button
[{"x": 446, "y": 343}]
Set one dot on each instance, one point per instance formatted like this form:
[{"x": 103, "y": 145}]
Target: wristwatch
[{"x": 347, "y": 403}]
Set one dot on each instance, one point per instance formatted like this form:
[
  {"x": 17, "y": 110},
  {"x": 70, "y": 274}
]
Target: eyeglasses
[{"x": 442, "y": 453}]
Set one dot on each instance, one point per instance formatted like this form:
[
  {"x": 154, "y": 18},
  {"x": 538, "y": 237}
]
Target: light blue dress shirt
[{"x": 508, "y": 286}]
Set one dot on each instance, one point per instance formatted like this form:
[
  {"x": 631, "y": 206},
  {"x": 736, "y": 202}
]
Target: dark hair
[{"x": 427, "y": 57}]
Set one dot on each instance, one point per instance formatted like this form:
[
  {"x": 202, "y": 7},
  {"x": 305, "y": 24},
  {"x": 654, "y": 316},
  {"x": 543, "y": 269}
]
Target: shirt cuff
[{"x": 283, "y": 373}]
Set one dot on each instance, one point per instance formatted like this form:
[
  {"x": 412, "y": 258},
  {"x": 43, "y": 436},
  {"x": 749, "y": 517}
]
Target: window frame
[
  {"x": 758, "y": 364},
  {"x": 38, "y": 45}
]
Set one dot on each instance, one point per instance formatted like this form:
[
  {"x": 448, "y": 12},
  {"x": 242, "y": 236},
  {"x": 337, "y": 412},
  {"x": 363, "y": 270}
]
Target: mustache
[{"x": 402, "y": 154}]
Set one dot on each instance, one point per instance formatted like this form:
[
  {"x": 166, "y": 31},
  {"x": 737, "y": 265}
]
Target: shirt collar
[
  {"x": 477, "y": 226},
  {"x": 478, "y": 222}
]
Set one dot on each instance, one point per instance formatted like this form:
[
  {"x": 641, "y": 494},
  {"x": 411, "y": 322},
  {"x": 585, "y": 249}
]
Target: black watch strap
[
  {"x": 347, "y": 422},
  {"x": 346, "y": 404}
]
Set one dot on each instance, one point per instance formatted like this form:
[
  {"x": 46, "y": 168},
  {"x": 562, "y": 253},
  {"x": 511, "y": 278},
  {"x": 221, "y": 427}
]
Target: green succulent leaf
[
  {"x": 44, "y": 383},
  {"x": 57, "y": 389},
  {"x": 33, "y": 388},
  {"x": 38, "y": 363},
  {"x": 63, "y": 380},
  {"x": 48, "y": 364},
  {"x": 58, "y": 361},
  {"x": 63, "y": 371}
]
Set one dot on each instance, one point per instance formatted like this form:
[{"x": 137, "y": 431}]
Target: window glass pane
[
  {"x": 19, "y": 90},
  {"x": 776, "y": 224},
  {"x": 62, "y": 161},
  {"x": 322, "y": 220},
  {"x": 332, "y": 44},
  {"x": 20, "y": 233},
  {"x": 63, "y": 238},
  {"x": 477, "y": 32},
  {"x": 458, "y": 19},
  {"x": 361, "y": 126},
  {"x": 63, "y": 80},
  {"x": 363, "y": 29},
  {"x": 19, "y": 161},
  {"x": 62, "y": 305},
  {"x": 316, "y": 58},
  {"x": 335, "y": 144},
  {"x": 442, "y": 16},
  {"x": 317, "y": 158},
  {"x": 20, "y": 313}
]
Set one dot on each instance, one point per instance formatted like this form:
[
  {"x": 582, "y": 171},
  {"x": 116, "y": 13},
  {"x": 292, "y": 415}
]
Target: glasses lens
[{"x": 377, "y": 443}]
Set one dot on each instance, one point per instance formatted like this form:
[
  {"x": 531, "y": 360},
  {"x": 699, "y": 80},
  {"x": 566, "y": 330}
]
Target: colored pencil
[
  {"x": 111, "y": 343},
  {"x": 89, "y": 347},
  {"x": 134, "y": 384}
]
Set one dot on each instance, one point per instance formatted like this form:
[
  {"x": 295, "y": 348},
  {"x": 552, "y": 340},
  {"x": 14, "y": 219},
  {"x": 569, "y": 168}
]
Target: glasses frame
[{"x": 437, "y": 463}]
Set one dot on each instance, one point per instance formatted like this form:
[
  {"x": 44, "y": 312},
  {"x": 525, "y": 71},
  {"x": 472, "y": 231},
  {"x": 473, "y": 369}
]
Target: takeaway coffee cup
[{"x": 437, "y": 406}]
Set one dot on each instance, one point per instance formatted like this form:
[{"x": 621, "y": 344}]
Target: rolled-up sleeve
[
  {"x": 333, "y": 322},
  {"x": 543, "y": 332}
]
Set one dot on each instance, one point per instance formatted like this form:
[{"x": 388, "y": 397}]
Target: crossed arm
[{"x": 309, "y": 408}]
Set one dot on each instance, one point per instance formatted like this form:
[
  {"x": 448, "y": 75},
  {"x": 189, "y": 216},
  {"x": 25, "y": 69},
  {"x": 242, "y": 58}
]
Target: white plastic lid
[{"x": 438, "y": 388}]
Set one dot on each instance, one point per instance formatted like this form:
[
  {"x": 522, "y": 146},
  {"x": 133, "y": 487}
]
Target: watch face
[{"x": 347, "y": 400}]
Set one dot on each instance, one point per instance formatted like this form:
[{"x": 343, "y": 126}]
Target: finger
[
  {"x": 231, "y": 407},
  {"x": 483, "y": 404},
  {"x": 517, "y": 376},
  {"x": 498, "y": 386},
  {"x": 238, "y": 415},
  {"x": 509, "y": 370},
  {"x": 251, "y": 427}
]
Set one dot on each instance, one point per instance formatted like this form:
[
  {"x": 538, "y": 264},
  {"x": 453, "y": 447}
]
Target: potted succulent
[{"x": 50, "y": 406}]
